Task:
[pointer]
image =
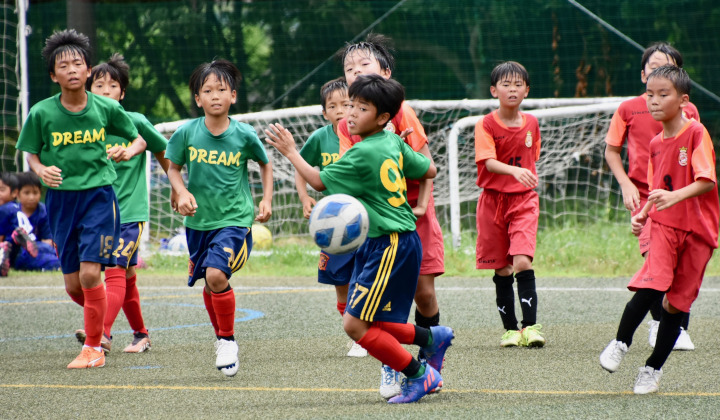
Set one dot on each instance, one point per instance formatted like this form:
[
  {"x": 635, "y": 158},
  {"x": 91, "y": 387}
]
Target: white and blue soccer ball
[
  {"x": 339, "y": 224},
  {"x": 178, "y": 244}
]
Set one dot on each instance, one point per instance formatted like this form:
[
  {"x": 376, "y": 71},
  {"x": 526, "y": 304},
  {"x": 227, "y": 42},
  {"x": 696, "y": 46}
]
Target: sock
[
  {"x": 224, "y": 304},
  {"x": 505, "y": 299},
  {"x": 528, "y": 297},
  {"x": 634, "y": 313},
  {"x": 115, "y": 290},
  {"x": 414, "y": 369},
  {"x": 656, "y": 309},
  {"x": 668, "y": 332},
  {"x": 384, "y": 347},
  {"x": 94, "y": 314},
  {"x": 406, "y": 333},
  {"x": 686, "y": 321},
  {"x": 79, "y": 299},
  {"x": 131, "y": 307},
  {"x": 341, "y": 307},
  {"x": 426, "y": 322},
  {"x": 211, "y": 311}
]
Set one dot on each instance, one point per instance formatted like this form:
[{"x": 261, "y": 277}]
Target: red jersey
[
  {"x": 405, "y": 118},
  {"x": 632, "y": 121},
  {"x": 516, "y": 146},
  {"x": 677, "y": 162}
]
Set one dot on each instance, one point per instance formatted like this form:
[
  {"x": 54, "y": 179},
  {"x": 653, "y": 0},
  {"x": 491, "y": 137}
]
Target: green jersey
[
  {"x": 131, "y": 183},
  {"x": 321, "y": 148},
  {"x": 217, "y": 172},
  {"x": 374, "y": 171},
  {"x": 76, "y": 142}
]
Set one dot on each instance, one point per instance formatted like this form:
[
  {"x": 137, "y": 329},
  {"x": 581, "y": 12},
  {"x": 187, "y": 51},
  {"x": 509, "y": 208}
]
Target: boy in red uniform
[
  {"x": 507, "y": 144},
  {"x": 633, "y": 123},
  {"x": 683, "y": 228}
]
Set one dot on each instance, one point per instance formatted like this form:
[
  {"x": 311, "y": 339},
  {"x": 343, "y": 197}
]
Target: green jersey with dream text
[
  {"x": 76, "y": 142},
  {"x": 374, "y": 172},
  {"x": 322, "y": 148},
  {"x": 217, "y": 172},
  {"x": 131, "y": 183}
]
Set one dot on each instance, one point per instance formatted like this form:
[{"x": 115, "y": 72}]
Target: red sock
[
  {"x": 131, "y": 307},
  {"x": 211, "y": 311},
  {"x": 404, "y": 333},
  {"x": 79, "y": 299},
  {"x": 384, "y": 347},
  {"x": 94, "y": 312},
  {"x": 341, "y": 307},
  {"x": 115, "y": 284},
  {"x": 224, "y": 304}
]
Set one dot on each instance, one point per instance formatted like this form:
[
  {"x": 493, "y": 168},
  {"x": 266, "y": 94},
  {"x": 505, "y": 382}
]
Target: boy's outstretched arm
[
  {"x": 265, "y": 206},
  {"x": 281, "y": 139},
  {"x": 51, "y": 175},
  {"x": 186, "y": 204}
]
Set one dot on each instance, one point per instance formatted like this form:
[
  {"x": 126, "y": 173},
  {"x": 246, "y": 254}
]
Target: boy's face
[
  {"x": 215, "y": 97},
  {"x": 71, "y": 71},
  {"x": 106, "y": 86},
  {"x": 335, "y": 107},
  {"x": 6, "y": 194},
  {"x": 510, "y": 90},
  {"x": 29, "y": 197},
  {"x": 663, "y": 100},
  {"x": 656, "y": 60},
  {"x": 362, "y": 62},
  {"x": 362, "y": 119}
]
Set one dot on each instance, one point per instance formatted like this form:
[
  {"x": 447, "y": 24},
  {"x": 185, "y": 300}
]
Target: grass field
[{"x": 292, "y": 359}]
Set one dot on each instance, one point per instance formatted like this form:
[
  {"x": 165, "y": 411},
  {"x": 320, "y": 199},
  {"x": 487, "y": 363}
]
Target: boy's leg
[
  {"x": 131, "y": 303},
  {"x": 115, "y": 288},
  {"x": 634, "y": 313}
]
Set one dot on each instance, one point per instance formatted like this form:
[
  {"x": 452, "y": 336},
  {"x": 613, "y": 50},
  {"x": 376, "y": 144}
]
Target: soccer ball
[
  {"x": 339, "y": 224},
  {"x": 178, "y": 244},
  {"x": 261, "y": 236}
]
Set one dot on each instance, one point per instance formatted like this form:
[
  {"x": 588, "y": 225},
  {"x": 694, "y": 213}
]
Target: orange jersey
[
  {"x": 516, "y": 146},
  {"x": 632, "y": 121},
  {"x": 677, "y": 162},
  {"x": 404, "y": 119}
]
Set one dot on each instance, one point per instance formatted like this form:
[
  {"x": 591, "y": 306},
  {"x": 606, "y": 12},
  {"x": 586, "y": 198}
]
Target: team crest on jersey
[
  {"x": 322, "y": 265},
  {"x": 528, "y": 139},
  {"x": 390, "y": 127},
  {"x": 682, "y": 156}
]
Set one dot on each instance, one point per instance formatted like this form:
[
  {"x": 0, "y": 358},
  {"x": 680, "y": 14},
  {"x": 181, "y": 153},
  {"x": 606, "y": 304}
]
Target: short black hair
[
  {"x": 9, "y": 179},
  {"x": 676, "y": 75},
  {"x": 377, "y": 45},
  {"x": 28, "y": 178},
  {"x": 334, "y": 85},
  {"x": 386, "y": 94},
  {"x": 508, "y": 68},
  {"x": 224, "y": 70},
  {"x": 68, "y": 41},
  {"x": 664, "y": 48},
  {"x": 116, "y": 68}
]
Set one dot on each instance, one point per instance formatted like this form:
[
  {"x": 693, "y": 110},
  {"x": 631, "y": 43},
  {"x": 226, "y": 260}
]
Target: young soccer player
[
  {"x": 683, "y": 225},
  {"x": 374, "y": 56},
  {"x": 217, "y": 202},
  {"x": 632, "y": 123},
  {"x": 322, "y": 149},
  {"x": 8, "y": 219},
  {"x": 387, "y": 265},
  {"x": 65, "y": 138},
  {"x": 507, "y": 145}
]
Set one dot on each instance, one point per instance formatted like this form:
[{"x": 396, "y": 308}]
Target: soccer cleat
[
  {"x": 88, "y": 358},
  {"x": 441, "y": 339},
  {"x": 356, "y": 350},
  {"x": 140, "y": 343},
  {"x": 4, "y": 259},
  {"x": 652, "y": 332},
  {"x": 227, "y": 357},
  {"x": 648, "y": 380},
  {"x": 21, "y": 237},
  {"x": 613, "y": 354},
  {"x": 683, "y": 341},
  {"x": 511, "y": 338},
  {"x": 531, "y": 336},
  {"x": 105, "y": 341},
  {"x": 414, "y": 389},
  {"x": 389, "y": 382}
]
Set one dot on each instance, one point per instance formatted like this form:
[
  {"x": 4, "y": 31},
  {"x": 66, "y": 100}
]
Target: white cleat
[
  {"x": 613, "y": 354},
  {"x": 356, "y": 350},
  {"x": 227, "y": 357}
]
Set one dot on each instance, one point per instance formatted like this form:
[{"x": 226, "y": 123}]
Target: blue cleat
[
  {"x": 414, "y": 389},
  {"x": 435, "y": 352}
]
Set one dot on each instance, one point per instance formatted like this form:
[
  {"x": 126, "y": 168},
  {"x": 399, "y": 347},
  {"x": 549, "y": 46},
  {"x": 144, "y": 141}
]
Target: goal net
[{"x": 573, "y": 131}]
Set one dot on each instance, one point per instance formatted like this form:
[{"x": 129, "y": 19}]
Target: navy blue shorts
[
  {"x": 226, "y": 249},
  {"x": 385, "y": 278},
  {"x": 127, "y": 247},
  {"x": 84, "y": 225},
  {"x": 336, "y": 269}
]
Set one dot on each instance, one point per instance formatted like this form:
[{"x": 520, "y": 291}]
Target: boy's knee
[
  {"x": 668, "y": 307},
  {"x": 522, "y": 263},
  {"x": 216, "y": 280},
  {"x": 505, "y": 271},
  {"x": 354, "y": 327}
]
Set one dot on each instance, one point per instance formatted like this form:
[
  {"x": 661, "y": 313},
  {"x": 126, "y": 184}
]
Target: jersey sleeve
[
  {"x": 175, "y": 151},
  {"x": 156, "y": 142},
  {"x": 120, "y": 123},
  {"x": 344, "y": 136},
  {"x": 618, "y": 130},
  {"x": 257, "y": 150},
  {"x": 536, "y": 135},
  {"x": 417, "y": 139},
  {"x": 484, "y": 143},
  {"x": 30, "y": 139},
  {"x": 703, "y": 159},
  {"x": 415, "y": 164}
]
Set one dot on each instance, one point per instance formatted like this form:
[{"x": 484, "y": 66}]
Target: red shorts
[
  {"x": 675, "y": 264},
  {"x": 644, "y": 238},
  {"x": 431, "y": 237},
  {"x": 507, "y": 226}
]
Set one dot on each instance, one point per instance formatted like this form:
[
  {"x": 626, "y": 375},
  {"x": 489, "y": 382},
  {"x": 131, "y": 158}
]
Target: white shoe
[
  {"x": 652, "y": 332},
  {"x": 356, "y": 350},
  {"x": 683, "y": 341},
  {"x": 648, "y": 380},
  {"x": 613, "y": 354},
  {"x": 227, "y": 357},
  {"x": 389, "y": 382}
]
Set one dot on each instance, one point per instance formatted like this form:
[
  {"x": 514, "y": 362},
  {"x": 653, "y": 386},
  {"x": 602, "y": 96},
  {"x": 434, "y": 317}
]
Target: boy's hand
[
  {"x": 663, "y": 199},
  {"x": 264, "y": 211},
  {"x": 406, "y": 132},
  {"x": 637, "y": 222},
  {"x": 525, "y": 177},
  {"x": 631, "y": 197},
  {"x": 51, "y": 176},
  {"x": 308, "y": 203},
  {"x": 186, "y": 204},
  {"x": 174, "y": 199},
  {"x": 118, "y": 154},
  {"x": 419, "y": 211},
  {"x": 282, "y": 140}
]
